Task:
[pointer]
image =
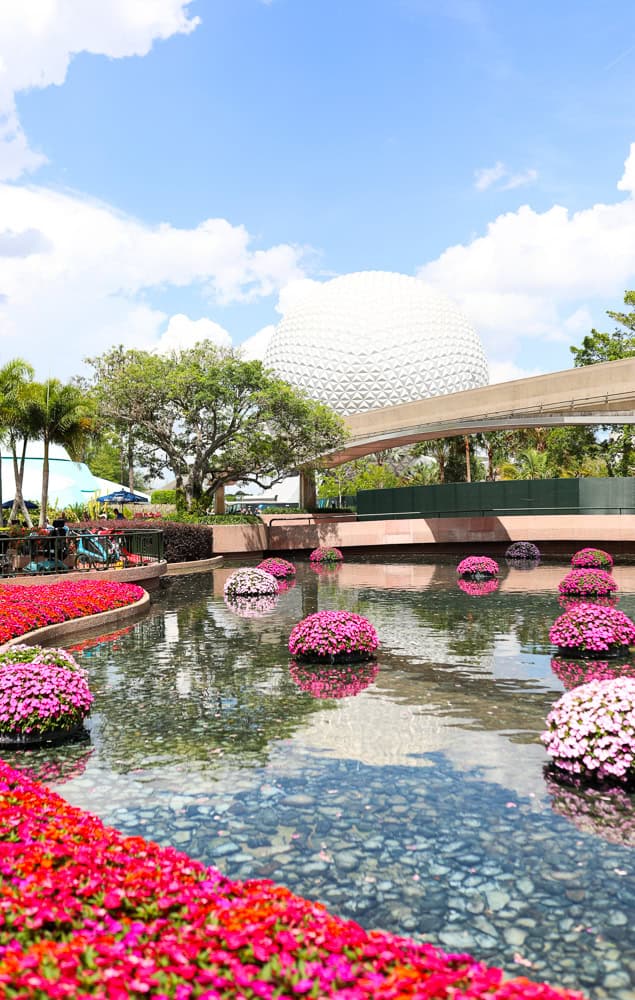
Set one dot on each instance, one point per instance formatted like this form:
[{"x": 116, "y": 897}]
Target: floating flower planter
[
  {"x": 588, "y": 629},
  {"x": 477, "y": 568},
  {"x": 523, "y": 551},
  {"x": 333, "y": 637},
  {"x": 326, "y": 555},
  {"x": 250, "y": 582},
  {"x": 478, "y": 588},
  {"x": 333, "y": 681},
  {"x": 44, "y": 696},
  {"x": 591, "y": 731},
  {"x": 252, "y": 607},
  {"x": 587, "y": 583},
  {"x": 573, "y": 673},
  {"x": 280, "y": 568},
  {"x": 591, "y": 558}
]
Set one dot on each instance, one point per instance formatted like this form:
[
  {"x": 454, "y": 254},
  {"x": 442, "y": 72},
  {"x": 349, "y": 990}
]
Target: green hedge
[{"x": 163, "y": 496}]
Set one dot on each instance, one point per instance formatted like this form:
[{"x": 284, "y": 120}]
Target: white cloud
[
  {"x": 539, "y": 274},
  {"x": 38, "y": 39},
  {"x": 507, "y": 371},
  {"x": 183, "y": 333},
  {"x": 293, "y": 293},
  {"x": 487, "y": 177},
  {"x": 84, "y": 274},
  {"x": 255, "y": 347}
]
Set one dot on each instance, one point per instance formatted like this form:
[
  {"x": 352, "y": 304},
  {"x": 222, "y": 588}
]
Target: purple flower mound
[
  {"x": 280, "y": 568},
  {"x": 477, "y": 566},
  {"x": 42, "y": 691},
  {"x": 591, "y": 730},
  {"x": 587, "y": 583},
  {"x": 250, "y": 582},
  {"x": 478, "y": 588},
  {"x": 331, "y": 636},
  {"x": 523, "y": 550},
  {"x": 327, "y": 555},
  {"x": 589, "y": 628},
  {"x": 592, "y": 559}
]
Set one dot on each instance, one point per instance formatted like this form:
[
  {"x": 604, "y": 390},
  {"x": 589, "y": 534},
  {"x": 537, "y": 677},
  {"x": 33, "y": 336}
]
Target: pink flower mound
[
  {"x": 342, "y": 681},
  {"x": 250, "y": 582},
  {"x": 331, "y": 635},
  {"x": 592, "y": 559},
  {"x": 587, "y": 583},
  {"x": 573, "y": 673},
  {"x": 97, "y": 914},
  {"x": 280, "y": 568},
  {"x": 41, "y": 690},
  {"x": 478, "y": 588},
  {"x": 591, "y": 730},
  {"x": 476, "y": 566},
  {"x": 589, "y": 628},
  {"x": 606, "y": 813},
  {"x": 326, "y": 555},
  {"x": 23, "y": 609}
]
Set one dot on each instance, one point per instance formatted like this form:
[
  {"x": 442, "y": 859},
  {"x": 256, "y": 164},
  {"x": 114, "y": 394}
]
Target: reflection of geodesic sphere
[{"x": 374, "y": 339}]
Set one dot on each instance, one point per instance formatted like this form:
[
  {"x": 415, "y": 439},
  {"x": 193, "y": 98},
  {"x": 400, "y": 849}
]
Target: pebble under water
[{"x": 414, "y": 797}]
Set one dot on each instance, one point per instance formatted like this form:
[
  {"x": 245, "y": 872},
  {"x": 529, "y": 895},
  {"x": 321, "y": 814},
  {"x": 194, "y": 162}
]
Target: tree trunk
[
  {"x": 130, "y": 464},
  {"x": 18, "y": 475},
  {"x": 45, "y": 483},
  {"x": 441, "y": 461},
  {"x": 468, "y": 469},
  {"x": 1, "y": 510}
]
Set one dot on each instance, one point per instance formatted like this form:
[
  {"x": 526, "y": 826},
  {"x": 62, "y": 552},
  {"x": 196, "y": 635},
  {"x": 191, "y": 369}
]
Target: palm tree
[
  {"x": 15, "y": 379},
  {"x": 59, "y": 414}
]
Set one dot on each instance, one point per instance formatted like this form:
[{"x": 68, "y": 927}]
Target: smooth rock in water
[
  {"x": 347, "y": 861},
  {"x": 497, "y": 899},
  {"x": 457, "y": 940},
  {"x": 515, "y": 936},
  {"x": 299, "y": 799}
]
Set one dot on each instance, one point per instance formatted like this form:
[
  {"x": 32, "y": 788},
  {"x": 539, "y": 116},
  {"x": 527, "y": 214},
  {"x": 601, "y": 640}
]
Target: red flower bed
[
  {"x": 85, "y": 911},
  {"x": 23, "y": 609}
]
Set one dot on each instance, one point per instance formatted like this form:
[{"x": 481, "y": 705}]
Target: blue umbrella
[
  {"x": 122, "y": 496},
  {"x": 27, "y": 503}
]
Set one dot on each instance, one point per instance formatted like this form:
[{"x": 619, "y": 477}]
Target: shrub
[
  {"x": 326, "y": 555},
  {"x": 342, "y": 681},
  {"x": 573, "y": 673},
  {"x": 333, "y": 636},
  {"x": 477, "y": 566},
  {"x": 163, "y": 496},
  {"x": 478, "y": 588},
  {"x": 587, "y": 583},
  {"x": 591, "y": 730},
  {"x": 589, "y": 628},
  {"x": 523, "y": 550},
  {"x": 250, "y": 582},
  {"x": 42, "y": 691},
  {"x": 280, "y": 568},
  {"x": 99, "y": 914},
  {"x": 592, "y": 559}
]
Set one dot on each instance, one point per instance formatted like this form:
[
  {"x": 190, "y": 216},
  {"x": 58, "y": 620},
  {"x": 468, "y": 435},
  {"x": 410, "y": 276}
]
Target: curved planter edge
[
  {"x": 32, "y": 741},
  {"x": 73, "y": 625}
]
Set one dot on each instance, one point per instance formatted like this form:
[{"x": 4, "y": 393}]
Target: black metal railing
[{"x": 79, "y": 550}]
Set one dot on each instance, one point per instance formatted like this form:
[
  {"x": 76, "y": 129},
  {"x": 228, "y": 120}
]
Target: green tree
[
  {"x": 58, "y": 414},
  {"x": 619, "y": 446},
  {"x": 530, "y": 464},
  {"x": 18, "y": 431},
  {"x": 212, "y": 418}
]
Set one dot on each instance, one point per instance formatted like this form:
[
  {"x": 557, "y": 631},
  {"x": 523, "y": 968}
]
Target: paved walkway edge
[{"x": 195, "y": 566}]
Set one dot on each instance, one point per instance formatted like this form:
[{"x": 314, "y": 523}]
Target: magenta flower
[
  {"x": 590, "y": 628},
  {"x": 280, "y": 568},
  {"x": 477, "y": 566},
  {"x": 587, "y": 583},
  {"x": 333, "y": 635},
  {"x": 326, "y": 555},
  {"x": 591, "y": 558}
]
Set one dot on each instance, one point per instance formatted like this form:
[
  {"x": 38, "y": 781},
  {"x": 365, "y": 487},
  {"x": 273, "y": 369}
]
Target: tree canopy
[{"x": 212, "y": 418}]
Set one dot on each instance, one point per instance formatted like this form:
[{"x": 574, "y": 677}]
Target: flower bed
[
  {"x": 44, "y": 695},
  {"x": 333, "y": 636},
  {"x": 477, "y": 567},
  {"x": 280, "y": 568},
  {"x": 326, "y": 555},
  {"x": 94, "y": 913},
  {"x": 588, "y": 628},
  {"x": 587, "y": 583},
  {"x": 343, "y": 681},
  {"x": 591, "y": 558},
  {"x": 252, "y": 607},
  {"x": 23, "y": 609},
  {"x": 591, "y": 730},
  {"x": 250, "y": 582},
  {"x": 606, "y": 813},
  {"x": 573, "y": 673},
  {"x": 526, "y": 551},
  {"x": 478, "y": 588}
]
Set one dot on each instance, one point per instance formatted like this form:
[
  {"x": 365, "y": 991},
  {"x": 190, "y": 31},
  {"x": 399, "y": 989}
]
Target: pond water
[{"x": 410, "y": 796}]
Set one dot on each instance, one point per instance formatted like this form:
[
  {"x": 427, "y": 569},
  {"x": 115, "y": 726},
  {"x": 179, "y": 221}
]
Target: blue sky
[{"x": 476, "y": 143}]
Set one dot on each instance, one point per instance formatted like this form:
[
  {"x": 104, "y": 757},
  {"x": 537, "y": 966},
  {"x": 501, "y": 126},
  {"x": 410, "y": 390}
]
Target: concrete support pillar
[
  {"x": 219, "y": 500},
  {"x": 308, "y": 492}
]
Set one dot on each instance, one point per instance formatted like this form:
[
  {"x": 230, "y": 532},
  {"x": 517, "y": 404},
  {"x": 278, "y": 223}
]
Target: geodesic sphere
[{"x": 374, "y": 338}]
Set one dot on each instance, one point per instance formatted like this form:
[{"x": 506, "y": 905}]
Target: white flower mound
[
  {"x": 249, "y": 582},
  {"x": 374, "y": 339}
]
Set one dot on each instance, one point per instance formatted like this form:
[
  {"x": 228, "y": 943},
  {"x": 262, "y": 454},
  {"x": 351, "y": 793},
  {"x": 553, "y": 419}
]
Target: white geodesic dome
[{"x": 375, "y": 338}]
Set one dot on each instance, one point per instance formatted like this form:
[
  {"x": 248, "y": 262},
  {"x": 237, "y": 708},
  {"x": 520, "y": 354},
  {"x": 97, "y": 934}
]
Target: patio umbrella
[
  {"x": 122, "y": 496},
  {"x": 27, "y": 503}
]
